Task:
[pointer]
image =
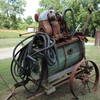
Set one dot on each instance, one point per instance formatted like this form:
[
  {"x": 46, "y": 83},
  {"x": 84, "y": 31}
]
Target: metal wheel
[
  {"x": 84, "y": 78},
  {"x": 28, "y": 81}
]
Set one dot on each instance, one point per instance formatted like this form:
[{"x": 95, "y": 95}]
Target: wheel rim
[
  {"x": 31, "y": 86},
  {"x": 87, "y": 78},
  {"x": 93, "y": 75}
]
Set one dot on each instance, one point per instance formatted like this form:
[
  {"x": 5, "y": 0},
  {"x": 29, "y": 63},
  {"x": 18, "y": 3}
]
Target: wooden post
[{"x": 97, "y": 38}]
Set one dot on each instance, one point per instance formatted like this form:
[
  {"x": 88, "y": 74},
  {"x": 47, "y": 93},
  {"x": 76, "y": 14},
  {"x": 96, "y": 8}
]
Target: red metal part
[
  {"x": 96, "y": 75},
  {"x": 54, "y": 26},
  {"x": 85, "y": 78},
  {"x": 72, "y": 75}
]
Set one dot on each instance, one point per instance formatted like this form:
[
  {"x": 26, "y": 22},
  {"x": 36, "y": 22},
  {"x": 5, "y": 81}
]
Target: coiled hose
[{"x": 25, "y": 59}]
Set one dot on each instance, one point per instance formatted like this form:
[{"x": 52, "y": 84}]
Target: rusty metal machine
[{"x": 53, "y": 56}]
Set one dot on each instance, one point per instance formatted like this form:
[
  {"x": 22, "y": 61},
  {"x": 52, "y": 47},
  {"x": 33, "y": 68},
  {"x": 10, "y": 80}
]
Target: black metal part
[{"x": 73, "y": 18}]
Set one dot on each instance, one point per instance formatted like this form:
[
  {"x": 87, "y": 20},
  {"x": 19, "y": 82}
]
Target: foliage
[
  {"x": 45, "y": 4},
  {"x": 24, "y": 25},
  {"x": 79, "y": 7},
  {"x": 29, "y": 20},
  {"x": 10, "y": 13}
]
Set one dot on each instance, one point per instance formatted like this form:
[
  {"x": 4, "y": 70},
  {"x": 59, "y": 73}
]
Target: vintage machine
[{"x": 53, "y": 56}]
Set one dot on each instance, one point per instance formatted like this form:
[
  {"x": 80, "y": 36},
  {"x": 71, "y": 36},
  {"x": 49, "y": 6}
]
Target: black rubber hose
[
  {"x": 22, "y": 64},
  {"x": 48, "y": 49}
]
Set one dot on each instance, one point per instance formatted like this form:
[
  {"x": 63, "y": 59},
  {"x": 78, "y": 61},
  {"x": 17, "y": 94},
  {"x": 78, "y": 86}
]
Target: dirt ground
[{"x": 62, "y": 93}]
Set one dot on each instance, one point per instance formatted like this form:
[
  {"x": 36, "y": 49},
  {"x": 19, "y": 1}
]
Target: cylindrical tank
[{"x": 68, "y": 53}]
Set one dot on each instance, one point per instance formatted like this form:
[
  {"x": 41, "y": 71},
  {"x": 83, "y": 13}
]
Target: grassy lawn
[
  {"x": 5, "y": 72},
  {"x": 9, "y": 39},
  {"x": 9, "y": 42},
  {"x": 90, "y": 39},
  {"x": 4, "y": 35},
  {"x": 92, "y": 53}
]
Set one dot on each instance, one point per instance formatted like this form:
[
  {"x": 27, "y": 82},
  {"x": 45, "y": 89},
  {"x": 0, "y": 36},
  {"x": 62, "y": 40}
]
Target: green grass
[
  {"x": 10, "y": 39},
  {"x": 90, "y": 39},
  {"x": 4, "y": 35},
  {"x": 10, "y": 42},
  {"x": 5, "y": 72},
  {"x": 93, "y": 53}
]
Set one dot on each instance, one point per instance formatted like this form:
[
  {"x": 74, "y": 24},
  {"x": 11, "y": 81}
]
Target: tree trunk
[{"x": 97, "y": 38}]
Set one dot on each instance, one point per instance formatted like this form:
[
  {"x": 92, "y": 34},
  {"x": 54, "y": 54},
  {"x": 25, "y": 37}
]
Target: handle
[{"x": 73, "y": 18}]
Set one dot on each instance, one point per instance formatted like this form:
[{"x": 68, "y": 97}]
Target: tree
[
  {"x": 80, "y": 8},
  {"x": 29, "y": 20},
  {"x": 11, "y": 11},
  {"x": 45, "y": 4}
]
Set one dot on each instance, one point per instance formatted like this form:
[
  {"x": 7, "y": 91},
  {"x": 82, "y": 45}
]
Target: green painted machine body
[{"x": 68, "y": 54}]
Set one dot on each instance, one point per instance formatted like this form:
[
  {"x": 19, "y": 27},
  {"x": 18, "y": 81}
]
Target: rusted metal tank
[
  {"x": 69, "y": 53},
  {"x": 53, "y": 55}
]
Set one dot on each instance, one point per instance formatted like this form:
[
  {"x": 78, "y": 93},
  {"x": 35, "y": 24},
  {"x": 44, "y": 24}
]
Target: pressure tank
[{"x": 68, "y": 53}]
